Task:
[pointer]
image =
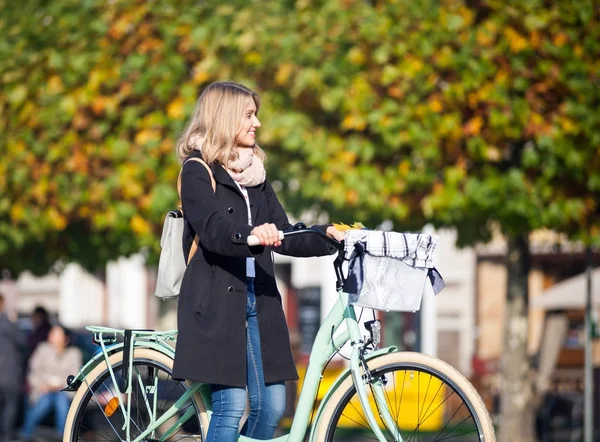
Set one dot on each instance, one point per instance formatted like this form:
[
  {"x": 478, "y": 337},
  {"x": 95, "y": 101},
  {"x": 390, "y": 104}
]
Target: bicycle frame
[{"x": 324, "y": 347}]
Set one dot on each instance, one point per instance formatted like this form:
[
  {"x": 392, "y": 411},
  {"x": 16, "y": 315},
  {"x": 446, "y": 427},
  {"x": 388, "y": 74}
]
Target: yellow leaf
[
  {"x": 404, "y": 167},
  {"x": 354, "y": 122},
  {"x": 436, "y": 105},
  {"x": 473, "y": 126},
  {"x": 352, "y": 197},
  {"x": 356, "y": 56},
  {"x": 55, "y": 85},
  {"x": 17, "y": 212},
  {"x": 147, "y": 135},
  {"x": 200, "y": 76},
  {"x": 536, "y": 39},
  {"x": 139, "y": 225},
  {"x": 175, "y": 109},
  {"x": 57, "y": 219},
  {"x": 347, "y": 157},
  {"x": 560, "y": 39},
  {"x": 253, "y": 57},
  {"x": 283, "y": 73},
  {"x": 344, "y": 227},
  {"x": 516, "y": 41}
]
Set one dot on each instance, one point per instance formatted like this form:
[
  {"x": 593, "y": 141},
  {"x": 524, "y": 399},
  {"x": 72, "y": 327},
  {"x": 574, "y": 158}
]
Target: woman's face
[
  {"x": 246, "y": 135},
  {"x": 57, "y": 337}
]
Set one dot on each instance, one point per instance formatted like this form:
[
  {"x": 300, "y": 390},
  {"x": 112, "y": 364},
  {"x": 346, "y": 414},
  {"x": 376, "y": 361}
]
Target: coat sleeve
[
  {"x": 300, "y": 246},
  {"x": 200, "y": 207}
]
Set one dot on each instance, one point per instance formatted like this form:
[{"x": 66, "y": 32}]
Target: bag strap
[{"x": 196, "y": 242}]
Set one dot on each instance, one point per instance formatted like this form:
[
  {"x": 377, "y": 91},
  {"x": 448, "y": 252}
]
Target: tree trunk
[{"x": 517, "y": 413}]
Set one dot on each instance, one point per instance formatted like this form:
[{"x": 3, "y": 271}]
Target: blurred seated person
[
  {"x": 40, "y": 321},
  {"x": 50, "y": 365}
]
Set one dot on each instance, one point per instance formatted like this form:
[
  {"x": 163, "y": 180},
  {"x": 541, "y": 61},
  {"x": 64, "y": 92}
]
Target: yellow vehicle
[{"x": 407, "y": 395}]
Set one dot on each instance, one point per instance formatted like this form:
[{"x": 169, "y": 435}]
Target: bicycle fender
[
  {"x": 74, "y": 381},
  {"x": 341, "y": 378}
]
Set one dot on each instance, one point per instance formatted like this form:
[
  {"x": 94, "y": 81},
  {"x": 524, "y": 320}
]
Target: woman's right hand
[{"x": 267, "y": 234}]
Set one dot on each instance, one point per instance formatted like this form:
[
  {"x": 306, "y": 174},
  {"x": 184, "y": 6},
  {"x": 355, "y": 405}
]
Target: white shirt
[{"x": 250, "y": 266}]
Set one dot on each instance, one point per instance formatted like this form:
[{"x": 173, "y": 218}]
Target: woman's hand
[
  {"x": 267, "y": 234},
  {"x": 336, "y": 234}
]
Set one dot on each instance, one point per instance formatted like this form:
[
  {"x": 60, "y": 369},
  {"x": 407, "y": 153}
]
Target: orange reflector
[{"x": 111, "y": 407}]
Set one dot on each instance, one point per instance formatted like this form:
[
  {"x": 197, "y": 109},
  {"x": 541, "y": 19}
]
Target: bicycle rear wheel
[
  {"x": 426, "y": 400},
  {"x": 95, "y": 413}
]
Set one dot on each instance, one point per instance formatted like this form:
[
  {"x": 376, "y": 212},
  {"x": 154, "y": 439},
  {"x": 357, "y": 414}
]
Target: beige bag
[{"x": 171, "y": 264}]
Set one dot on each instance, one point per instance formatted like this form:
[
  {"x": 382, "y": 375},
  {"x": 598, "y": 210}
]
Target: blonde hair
[{"x": 215, "y": 123}]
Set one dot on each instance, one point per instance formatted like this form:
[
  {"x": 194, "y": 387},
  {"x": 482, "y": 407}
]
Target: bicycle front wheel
[
  {"x": 99, "y": 411},
  {"x": 414, "y": 397}
]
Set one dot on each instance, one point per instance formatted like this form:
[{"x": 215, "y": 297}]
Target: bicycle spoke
[
  {"x": 149, "y": 384},
  {"x": 423, "y": 407}
]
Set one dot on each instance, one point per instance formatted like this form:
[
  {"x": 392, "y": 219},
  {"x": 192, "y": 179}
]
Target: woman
[
  {"x": 232, "y": 330},
  {"x": 50, "y": 365}
]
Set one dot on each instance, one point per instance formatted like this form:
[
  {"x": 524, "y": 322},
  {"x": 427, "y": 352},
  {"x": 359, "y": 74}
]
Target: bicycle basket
[{"x": 389, "y": 270}]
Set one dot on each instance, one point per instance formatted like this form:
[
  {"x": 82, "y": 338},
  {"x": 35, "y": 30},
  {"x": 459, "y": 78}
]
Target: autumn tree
[{"x": 461, "y": 113}]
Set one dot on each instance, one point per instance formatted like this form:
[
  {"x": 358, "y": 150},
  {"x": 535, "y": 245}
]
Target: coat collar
[{"x": 223, "y": 178}]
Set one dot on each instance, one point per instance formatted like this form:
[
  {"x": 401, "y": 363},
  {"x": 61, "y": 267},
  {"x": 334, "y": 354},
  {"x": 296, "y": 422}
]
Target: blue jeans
[
  {"x": 267, "y": 402},
  {"x": 59, "y": 401}
]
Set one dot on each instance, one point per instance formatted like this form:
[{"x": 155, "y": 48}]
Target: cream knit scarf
[{"x": 247, "y": 169}]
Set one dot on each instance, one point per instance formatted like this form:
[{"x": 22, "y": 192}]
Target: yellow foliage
[
  {"x": 99, "y": 104},
  {"x": 414, "y": 66},
  {"x": 560, "y": 39},
  {"x": 516, "y": 41},
  {"x": 404, "y": 167},
  {"x": 352, "y": 197},
  {"x": 354, "y": 122},
  {"x": 326, "y": 176},
  {"x": 536, "y": 118},
  {"x": 200, "y": 76},
  {"x": 283, "y": 73},
  {"x": 132, "y": 189},
  {"x": 175, "y": 109},
  {"x": 57, "y": 219},
  {"x": 436, "y": 105},
  {"x": 536, "y": 39},
  {"x": 356, "y": 56},
  {"x": 396, "y": 92},
  {"x": 17, "y": 212},
  {"x": 139, "y": 225},
  {"x": 253, "y": 57},
  {"x": 467, "y": 15},
  {"x": 344, "y": 227},
  {"x": 347, "y": 157},
  {"x": 483, "y": 38},
  {"x": 568, "y": 125},
  {"x": 147, "y": 135},
  {"x": 501, "y": 76},
  {"x": 55, "y": 85},
  {"x": 473, "y": 126},
  {"x": 84, "y": 211}
]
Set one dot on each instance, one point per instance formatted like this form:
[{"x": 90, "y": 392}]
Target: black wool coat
[{"x": 211, "y": 315}]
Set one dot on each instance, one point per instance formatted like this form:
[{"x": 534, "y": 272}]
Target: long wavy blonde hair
[{"x": 215, "y": 123}]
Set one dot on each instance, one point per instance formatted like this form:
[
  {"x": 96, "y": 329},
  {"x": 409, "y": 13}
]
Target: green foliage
[{"x": 410, "y": 111}]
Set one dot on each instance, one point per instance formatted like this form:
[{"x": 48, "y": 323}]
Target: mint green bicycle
[{"x": 126, "y": 392}]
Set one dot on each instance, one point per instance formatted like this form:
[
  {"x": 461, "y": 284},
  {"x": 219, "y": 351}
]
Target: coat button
[
  {"x": 230, "y": 289},
  {"x": 238, "y": 236},
  {"x": 230, "y": 210}
]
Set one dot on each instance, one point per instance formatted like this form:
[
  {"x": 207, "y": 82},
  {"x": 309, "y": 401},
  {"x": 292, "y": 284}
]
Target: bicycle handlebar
[{"x": 254, "y": 241}]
